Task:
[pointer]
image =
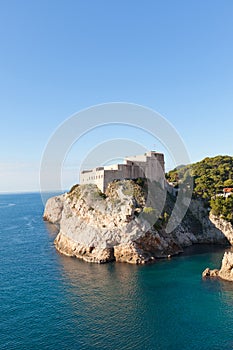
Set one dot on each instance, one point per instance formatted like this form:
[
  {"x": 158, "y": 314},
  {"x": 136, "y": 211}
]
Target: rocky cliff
[
  {"x": 224, "y": 226},
  {"x": 226, "y": 270},
  {"x": 120, "y": 226}
]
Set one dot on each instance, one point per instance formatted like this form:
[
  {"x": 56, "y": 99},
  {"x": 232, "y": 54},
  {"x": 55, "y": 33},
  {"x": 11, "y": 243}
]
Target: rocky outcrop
[
  {"x": 210, "y": 273},
  {"x": 226, "y": 271},
  {"x": 207, "y": 230},
  {"x": 53, "y": 209},
  {"x": 223, "y": 226},
  {"x": 121, "y": 226},
  {"x": 69, "y": 247}
]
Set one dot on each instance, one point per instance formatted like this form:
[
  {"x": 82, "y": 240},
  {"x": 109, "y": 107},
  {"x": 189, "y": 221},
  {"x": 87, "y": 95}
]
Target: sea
[{"x": 50, "y": 301}]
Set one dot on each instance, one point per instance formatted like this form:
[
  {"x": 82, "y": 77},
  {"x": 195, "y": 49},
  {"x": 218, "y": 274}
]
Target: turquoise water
[{"x": 49, "y": 301}]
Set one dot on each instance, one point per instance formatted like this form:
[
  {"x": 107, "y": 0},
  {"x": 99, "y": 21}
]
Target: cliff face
[
  {"x": 223, "y": 226},
  {"x": 226, "y": 271},
  {"x": 118, "y": 226}
]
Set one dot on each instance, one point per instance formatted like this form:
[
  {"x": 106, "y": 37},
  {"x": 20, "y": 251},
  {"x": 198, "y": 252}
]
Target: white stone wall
[
  {"x": 124, "y": 171},
  {"x": 95, "y": 176},
  {"x": 149, "y": 165},
  {"x": 152, "y": 164}
]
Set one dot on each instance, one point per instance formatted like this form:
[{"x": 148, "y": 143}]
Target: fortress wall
[
  {"x": 95, "y": 176},
  {"x": 155, "y": 171},
  {"x": 136, "y": 159},
  {"x": 149, "y": 165},
  {"x": 153, "y": 165},
  {"x": 124, "y": 172}
]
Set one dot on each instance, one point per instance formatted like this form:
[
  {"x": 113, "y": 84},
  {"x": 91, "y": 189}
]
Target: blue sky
[{"x": 59, "y": 57}]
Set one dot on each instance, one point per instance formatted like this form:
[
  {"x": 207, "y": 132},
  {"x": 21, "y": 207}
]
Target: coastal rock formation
[
  {"x": 54, "y": 207},
  {"x": 223, "y": 226},
  {"x": 210, "y": 273},
  {"x": 206, "y": 228},
  {"x": 121, "y": 225},
  {"x": 226, "y": 271}
]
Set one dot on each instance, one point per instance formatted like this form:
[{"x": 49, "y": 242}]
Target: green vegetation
[
  {"x": 74, "y": 192},
  {"x": 208, "y": 177},
  {"x": 155, "y": 212},
  {"x": 148, "y": 210},
  {"x": 97, "y": 194},
  {"x": 128, "y": 188},
  {"x": 74, "y": 188},
  {"x": 223, "y": 207},
  {"x": 135, "y": 188},
  {"x": 86, "y": 191},
  {"x": 149, "y": 214}
]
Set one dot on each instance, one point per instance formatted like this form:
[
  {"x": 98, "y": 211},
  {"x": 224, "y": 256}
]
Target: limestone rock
[
  {"x": 119, "y": 225},
  {"x": 223, "y": 226},
  {"x": 131, "y": 253},
  {"x": 226, "y": 271},
  {"x": 68, "y": 247},
  {"x": 53, "y": 209},
  {"x": 209, "y": 232},
  {"x": 210, "y": 273}
]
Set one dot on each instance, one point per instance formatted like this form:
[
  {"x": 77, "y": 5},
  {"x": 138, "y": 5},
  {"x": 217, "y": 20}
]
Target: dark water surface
[{"x": 49, "y": 301}]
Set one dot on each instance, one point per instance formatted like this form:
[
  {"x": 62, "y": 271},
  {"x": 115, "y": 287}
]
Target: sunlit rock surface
[{"x": 120, "y": 226}]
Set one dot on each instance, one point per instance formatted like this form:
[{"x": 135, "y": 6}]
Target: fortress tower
[{"x": 149, "y": 165}]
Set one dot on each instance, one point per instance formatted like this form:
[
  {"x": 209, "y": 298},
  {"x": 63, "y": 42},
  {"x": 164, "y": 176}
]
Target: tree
[
  {"x": 228, "y": 183},
  {"x": 210, "y": 176}
]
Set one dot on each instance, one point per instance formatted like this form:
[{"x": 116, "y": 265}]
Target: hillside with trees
[{"x": 208, "y": 177}]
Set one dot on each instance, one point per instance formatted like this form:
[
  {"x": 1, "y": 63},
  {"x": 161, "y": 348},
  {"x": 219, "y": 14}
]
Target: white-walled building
[{"x": 149, "y": 165}]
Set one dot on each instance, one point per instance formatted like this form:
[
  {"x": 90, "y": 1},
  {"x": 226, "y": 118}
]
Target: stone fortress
[{"x": 149, "y": 165}]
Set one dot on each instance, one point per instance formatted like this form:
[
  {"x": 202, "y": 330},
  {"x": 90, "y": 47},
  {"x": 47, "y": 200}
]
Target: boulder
[
  {"x": 226, "y": 271},
  {"x": 209, "y": 273}
]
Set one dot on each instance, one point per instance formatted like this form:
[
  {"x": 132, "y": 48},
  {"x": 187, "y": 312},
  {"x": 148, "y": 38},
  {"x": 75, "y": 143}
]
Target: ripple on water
[{"x": 6, "y": 205}]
